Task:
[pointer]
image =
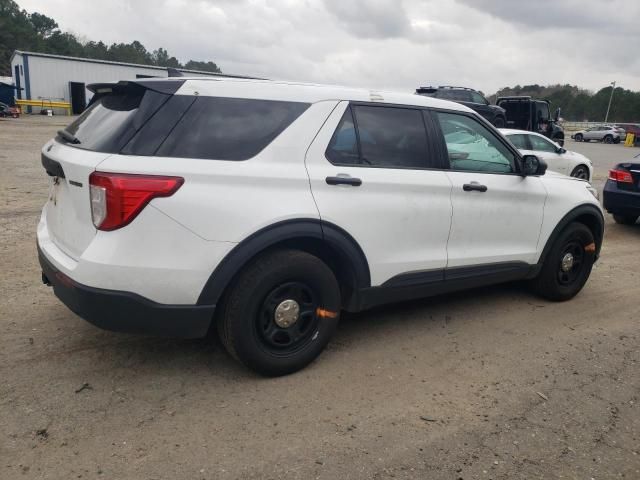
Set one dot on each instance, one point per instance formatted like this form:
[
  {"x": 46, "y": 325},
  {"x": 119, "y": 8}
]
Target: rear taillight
[
  {"x": 117, "y": 198},
  {"x": 621, "y": 176}
]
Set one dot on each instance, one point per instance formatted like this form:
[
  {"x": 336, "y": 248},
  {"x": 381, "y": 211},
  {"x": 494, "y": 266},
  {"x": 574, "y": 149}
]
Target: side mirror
[
  {"x": 532, "y": 165},
  {"x": 561, "y": 150}
]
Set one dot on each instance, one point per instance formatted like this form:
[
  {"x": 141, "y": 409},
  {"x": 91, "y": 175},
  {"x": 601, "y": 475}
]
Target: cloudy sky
[{"x": 383, "y": 44}]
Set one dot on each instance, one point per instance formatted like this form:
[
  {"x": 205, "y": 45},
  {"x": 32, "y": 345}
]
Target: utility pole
[{"x": 613, "y": 87}]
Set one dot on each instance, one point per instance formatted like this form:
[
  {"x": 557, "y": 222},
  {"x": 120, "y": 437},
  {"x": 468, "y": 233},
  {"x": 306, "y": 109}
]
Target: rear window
[
  {"x": 229, "y": 128},
  {"x": 113, "y": 118}
]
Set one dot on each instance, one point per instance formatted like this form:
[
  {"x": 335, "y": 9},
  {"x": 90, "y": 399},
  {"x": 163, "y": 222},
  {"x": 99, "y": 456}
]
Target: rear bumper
[
  {"x": 620, "y": 202},
  {"x": 125, "y": 311}
]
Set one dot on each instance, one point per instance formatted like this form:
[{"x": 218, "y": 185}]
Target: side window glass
[
  {"x": 477, "y": 98},
  {"x": 343, "y": 147},
  {"x": 391, "y": 137},
  {"x": 472, "y": 147},
  {"x": 541, "y": 145},
  {"x": 519, "y": 141}
]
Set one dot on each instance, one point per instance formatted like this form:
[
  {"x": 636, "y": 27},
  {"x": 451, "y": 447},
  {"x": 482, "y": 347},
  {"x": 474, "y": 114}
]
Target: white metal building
[{"x": 42, "y": 76}]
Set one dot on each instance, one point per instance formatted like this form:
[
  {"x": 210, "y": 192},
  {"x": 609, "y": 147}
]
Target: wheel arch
[
  {"x": 588, "y": 215},
  {"x": 330, "y": 243},
  {"x": 583, "y": 164}
]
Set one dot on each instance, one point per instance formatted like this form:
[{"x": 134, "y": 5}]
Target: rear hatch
[{"x": 115, "y": 114}]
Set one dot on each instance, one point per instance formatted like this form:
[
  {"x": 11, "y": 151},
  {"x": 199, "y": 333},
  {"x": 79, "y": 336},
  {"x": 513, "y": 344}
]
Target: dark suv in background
[
  {"x": 534, "y": 115},
  {"x": 470, "y": 98}
]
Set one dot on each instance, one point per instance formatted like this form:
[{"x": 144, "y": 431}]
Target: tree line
[
  {"x": 20, "y": 30},
  {"x": 578, "y": 104}
]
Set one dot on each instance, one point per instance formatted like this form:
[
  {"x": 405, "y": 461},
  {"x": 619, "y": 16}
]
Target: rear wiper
[{"x": 69, "y": 137}]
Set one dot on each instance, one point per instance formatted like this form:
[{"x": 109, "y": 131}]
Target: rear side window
[
  {"x": 387, "y": 137},
  {"x": 343, "y": 148},
  {"x": 229, "y": 128}
]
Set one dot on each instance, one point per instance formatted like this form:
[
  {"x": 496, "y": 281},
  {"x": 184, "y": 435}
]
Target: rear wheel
[
  {"x": 608, "y": 139},
  {"x": 567, "y": 265},
  {"x": 578, "y": 137},
  {"x": 280, "y": 313},
  {"x": 581, "y": 171},
  {"x": 625, "y": 219}
]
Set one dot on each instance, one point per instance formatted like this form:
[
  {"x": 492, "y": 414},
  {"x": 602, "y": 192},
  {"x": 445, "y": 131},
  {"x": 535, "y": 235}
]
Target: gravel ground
[{"x": 489, "y": 384}]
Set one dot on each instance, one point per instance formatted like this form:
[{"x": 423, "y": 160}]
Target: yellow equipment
[{"x": 44, "y": 104}]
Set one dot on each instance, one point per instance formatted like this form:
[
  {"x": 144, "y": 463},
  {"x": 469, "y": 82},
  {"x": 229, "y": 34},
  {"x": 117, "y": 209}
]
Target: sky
[{"x": 382, "y": 44}]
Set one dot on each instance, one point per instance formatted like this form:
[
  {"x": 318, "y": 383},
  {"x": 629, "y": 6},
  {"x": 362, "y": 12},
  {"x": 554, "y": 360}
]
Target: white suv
[{"x": 267, "y": 208}]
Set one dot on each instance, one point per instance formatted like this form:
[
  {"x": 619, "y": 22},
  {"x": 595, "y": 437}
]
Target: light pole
[{"x": 613, "y": 87}]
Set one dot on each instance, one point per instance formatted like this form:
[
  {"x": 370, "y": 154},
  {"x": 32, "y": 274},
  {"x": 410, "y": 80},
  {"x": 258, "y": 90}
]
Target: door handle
[
  {"x": 474, "y": 187},
  {"x": 354, "y": 182}
]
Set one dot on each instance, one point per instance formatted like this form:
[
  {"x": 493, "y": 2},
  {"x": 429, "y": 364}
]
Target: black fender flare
[
  {"x": 589, "y": 210},
  {"x": 288, "y": 230}
]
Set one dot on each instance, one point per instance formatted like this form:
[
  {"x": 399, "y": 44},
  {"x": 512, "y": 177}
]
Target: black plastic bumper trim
[{"x": 125, "y": 311}]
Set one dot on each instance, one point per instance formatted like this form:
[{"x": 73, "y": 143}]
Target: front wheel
[
  {"x": 568, "y": 264},
  {"x": 607, "y": 139},
  {"x": 625, "y": 219},
  {"x": 280, "y": 313},
  {"x": 499, "y": 122},
  {"x": 578, "y": 137},
  {"x": 581, "y": 172}
]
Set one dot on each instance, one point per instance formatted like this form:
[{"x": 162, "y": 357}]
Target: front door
[
  {"x": 370, "y": 172},
  {"x": 497, "y": 214},
  {"x": 549, "y": 152}
]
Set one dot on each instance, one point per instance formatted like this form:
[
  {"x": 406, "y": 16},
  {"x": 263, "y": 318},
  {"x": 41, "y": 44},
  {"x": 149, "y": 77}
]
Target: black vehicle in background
[
  {"x": 470, "y": 98},
  {"x": 526, "y": 113},
  {"x": 621, "y": 196}
]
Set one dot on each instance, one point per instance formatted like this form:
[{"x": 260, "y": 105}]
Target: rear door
[
  {"x": 113, "y": 118},
  {"x": 374, "y": 174},
  {"x": 497, "y": 214}
]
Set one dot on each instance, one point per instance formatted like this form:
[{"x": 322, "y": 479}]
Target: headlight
[{"x": 593, "y": 191}]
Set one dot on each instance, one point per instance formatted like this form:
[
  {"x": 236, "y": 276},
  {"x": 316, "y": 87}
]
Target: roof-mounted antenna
[{"x": 172, "y": 72}]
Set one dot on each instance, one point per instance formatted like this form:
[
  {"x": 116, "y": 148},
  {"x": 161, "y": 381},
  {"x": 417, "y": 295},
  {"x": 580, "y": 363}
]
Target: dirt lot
[{"x": 489, "y": 384}]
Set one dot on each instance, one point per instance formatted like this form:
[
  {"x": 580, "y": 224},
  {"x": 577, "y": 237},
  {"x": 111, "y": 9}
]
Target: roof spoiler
[{"x": 168, "y": 87}]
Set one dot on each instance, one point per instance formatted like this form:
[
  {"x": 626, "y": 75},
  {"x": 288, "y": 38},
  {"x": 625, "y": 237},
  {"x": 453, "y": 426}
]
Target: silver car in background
[{"x": 603, "y": 133}]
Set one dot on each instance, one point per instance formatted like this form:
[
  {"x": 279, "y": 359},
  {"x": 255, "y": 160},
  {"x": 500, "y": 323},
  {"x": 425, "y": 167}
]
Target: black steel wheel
[
  {"x": 288, "y": 318},
  {"x": 571, "y": 262},
  {"x": 280, "y": 313},
  {"x": 567, "y": 265}
]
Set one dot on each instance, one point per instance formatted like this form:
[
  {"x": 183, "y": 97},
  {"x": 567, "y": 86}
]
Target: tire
[
  {"x": 498, "y": 122},
  {"x": 247, "y": 323},
  {"x": 607, "y": 139},
  {"x": 578, "y": 137},
  {"x": 556, "y": 283},
  {"x": 581, "y": 171},
  {"x": 625, "y": 219},
  {"x": 616, "y": 141}
]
